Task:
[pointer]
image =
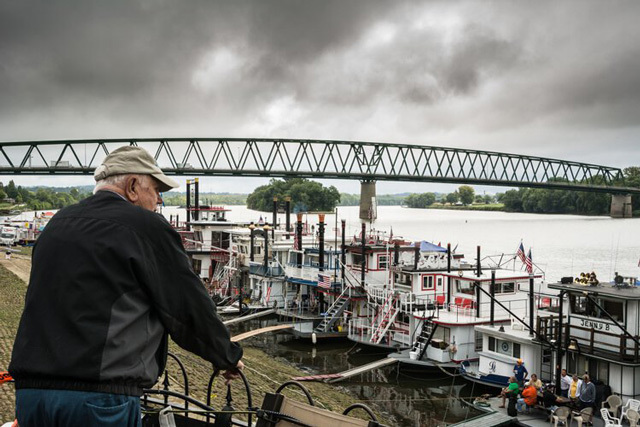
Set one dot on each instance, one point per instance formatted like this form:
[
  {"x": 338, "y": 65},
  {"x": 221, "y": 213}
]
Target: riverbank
[{"x": 264, "y": 372}]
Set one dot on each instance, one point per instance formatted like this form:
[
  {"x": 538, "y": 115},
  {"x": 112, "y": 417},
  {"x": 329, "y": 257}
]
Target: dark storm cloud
[{"x": 490, "y": 75}]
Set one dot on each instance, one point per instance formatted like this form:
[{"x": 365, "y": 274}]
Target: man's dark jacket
[{"x": 109, "y": 280}]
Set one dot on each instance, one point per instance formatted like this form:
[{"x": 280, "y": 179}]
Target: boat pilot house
[{"x": 601, "y": 333}]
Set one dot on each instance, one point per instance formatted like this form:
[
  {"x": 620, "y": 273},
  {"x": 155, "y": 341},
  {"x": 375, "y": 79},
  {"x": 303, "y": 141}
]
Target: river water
[{"x": 561, "y": 245}]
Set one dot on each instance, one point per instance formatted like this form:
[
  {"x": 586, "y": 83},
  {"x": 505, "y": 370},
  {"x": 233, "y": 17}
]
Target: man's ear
[{"x": 130, "y": 189}]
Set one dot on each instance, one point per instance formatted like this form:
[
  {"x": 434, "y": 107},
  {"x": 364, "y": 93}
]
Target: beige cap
[{"x": 133, "y": 160}]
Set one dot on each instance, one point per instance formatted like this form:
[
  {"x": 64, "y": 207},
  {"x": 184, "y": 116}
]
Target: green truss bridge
[{"x": 365, "y": 161}]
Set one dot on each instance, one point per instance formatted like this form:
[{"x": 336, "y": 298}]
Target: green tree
[
  {"x": 305, "y": 195},
  {"x": 3, "y": 195},
  {"x": 452, "y": 197},
  {"x": 422, "y": 201},
  {"x": 11, "y": 190},
  {"x": 466, "y": 194},
  {"x": 512, "y": 200}
]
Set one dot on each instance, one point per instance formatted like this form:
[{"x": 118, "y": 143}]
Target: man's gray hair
[{"x": 115, "y": 180}]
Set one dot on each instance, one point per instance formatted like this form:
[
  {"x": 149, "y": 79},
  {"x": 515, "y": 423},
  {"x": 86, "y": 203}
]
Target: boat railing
[{"x": 361, "y": 330}]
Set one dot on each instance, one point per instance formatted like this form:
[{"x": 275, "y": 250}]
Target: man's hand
[{"x": 233, "y": 373}]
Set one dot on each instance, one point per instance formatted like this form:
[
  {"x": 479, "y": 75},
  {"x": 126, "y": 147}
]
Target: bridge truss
[{"x": 317, "y": 159}]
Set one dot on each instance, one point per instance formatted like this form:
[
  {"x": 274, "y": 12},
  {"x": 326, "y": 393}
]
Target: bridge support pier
[
  {"x": 368, "y": 206},
  {"x": 621, "y": 206}
]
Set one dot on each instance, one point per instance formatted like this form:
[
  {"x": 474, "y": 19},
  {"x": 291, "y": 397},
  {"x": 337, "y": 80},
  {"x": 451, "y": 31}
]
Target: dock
[
  {"x": 255, "y": 332},
  {"x": 249, "y": 317},
  {"x": 495, "y": 416},
  {"x": 334, "y": 378}
]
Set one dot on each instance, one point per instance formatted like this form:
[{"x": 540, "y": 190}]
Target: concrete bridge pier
[
  {"x": 620, "y": 206},
  {"x": 368, "y": 205}
]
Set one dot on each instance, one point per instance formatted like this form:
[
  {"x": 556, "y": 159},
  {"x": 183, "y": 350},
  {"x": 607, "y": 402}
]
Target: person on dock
[
  {"x": 565, "y": 383},
  {"x": 110, "y": 283},
  {"x": 510, "y": 391},
  {"x": 535, "y": 381},
  {"x": 529, "y": 398},
  {"x": 574, "y": 389},
  {"x": 587, "y": 398},
  {"x": 520, "y": 372}
]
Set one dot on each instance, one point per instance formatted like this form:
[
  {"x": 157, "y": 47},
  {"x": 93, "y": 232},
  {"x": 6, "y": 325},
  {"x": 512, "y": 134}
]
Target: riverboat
[
  {"x": 500, "y": 347},
  {"x": 434, "y": 299},
  {"x": 600, "y": 335}
]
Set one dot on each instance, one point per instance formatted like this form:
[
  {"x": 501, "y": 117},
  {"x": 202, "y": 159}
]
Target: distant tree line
[
  {"x": 40, "y": 198},
  {"x": 175, "y": 198},
  {"x": 542, "y": 200}
]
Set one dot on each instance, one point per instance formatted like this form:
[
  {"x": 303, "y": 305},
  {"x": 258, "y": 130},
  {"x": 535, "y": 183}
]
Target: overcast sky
[{"x": 552, "y": 79}]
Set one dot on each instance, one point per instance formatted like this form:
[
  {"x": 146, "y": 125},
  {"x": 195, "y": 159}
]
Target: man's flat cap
[{"x": 133, "y": 160}]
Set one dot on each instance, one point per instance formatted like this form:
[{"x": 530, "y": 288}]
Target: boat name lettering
[{"x": 601, "y": 326}]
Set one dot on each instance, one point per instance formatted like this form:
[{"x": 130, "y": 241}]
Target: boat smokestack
[
  {"x": 188, "y": 205},
  {"x": 287, "y": 208},
  {"x": 343, "y": 254},
  {"x": 492, "y": 292},
  {"x": 479, "y": 272},
  {"x": 531, "y": 299},
  {"x": 396, "y": 253},
  {"x": 197, "y": 198},
  {"x": 416, "y": 256},
  {"x": 321, "y": 241},
  {"x": 363, "y": 263},
  {"x": 449, "y": 276},
  {"x": 298, "y": 245},
  {"x": 274, "y": 223}
]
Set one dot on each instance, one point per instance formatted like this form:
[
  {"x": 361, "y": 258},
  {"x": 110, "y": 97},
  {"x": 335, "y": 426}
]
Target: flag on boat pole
[
  {"x": 521, "y": 254},
  {"x": 529, "y": 263},
  {"x": 324, "y": 281}
]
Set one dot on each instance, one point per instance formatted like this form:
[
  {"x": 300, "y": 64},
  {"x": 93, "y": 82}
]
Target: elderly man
[{"x": 110, "y": 281}]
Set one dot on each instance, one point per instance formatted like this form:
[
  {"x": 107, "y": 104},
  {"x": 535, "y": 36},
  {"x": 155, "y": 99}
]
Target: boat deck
[{"x": 496, "y": 416}]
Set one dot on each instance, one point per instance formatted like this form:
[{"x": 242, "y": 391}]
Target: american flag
[
  {"x": 521, "y": 254},
  {"x": 324, "y": 281},
  {"x": 296, "y": 242},
  {"x": 529, "y": 262}
]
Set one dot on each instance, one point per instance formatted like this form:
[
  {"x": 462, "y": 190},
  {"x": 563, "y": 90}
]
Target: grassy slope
[{"x": 264, "y": 372}]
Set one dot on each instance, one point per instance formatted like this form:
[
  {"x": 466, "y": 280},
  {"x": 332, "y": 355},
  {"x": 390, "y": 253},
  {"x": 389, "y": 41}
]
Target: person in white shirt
[{"x": 565, "y": 383}]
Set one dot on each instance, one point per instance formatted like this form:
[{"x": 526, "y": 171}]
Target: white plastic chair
[
  {"x": 631, "y": 404},
  {"x": 609, "y": 421},
  {"x": 612, "y": 404},
  {"x": 633, "y": 417},
  {"x": 560, "y": 415},
  {"x": 581, "y": 417}
]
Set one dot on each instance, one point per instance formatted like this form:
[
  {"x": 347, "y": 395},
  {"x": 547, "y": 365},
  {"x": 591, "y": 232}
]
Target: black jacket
[{"x": 108, "y": 281}]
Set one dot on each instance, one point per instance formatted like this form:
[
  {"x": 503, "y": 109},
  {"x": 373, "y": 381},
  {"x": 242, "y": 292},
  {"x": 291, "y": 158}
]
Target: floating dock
[
  {"x": 334, "y": 378},
  {"x": 249, "y": 317},
  {"x": 255, "y": 332}
]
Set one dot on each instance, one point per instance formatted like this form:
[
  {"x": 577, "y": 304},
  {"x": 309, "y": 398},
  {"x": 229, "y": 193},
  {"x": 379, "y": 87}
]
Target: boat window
[
  {"x": 402, "y": 279},
  {"x": 508, "y": 288},
  {"x": 516, "y": 350},
  {"x": 439, "y": 282},
  {"x": 464, "y": 287},
  {"x": 614, "y": 308},
  {"x": 478, "y": 341},
  {"x": 427, "y": 282},
  {"x": 492, "y": 344},
  {"x": 383, "y": 261},
  {"x": 197, "y": 236},
  {"x": 583, "y": 305},
  {"x": 356, "y": 261}
]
